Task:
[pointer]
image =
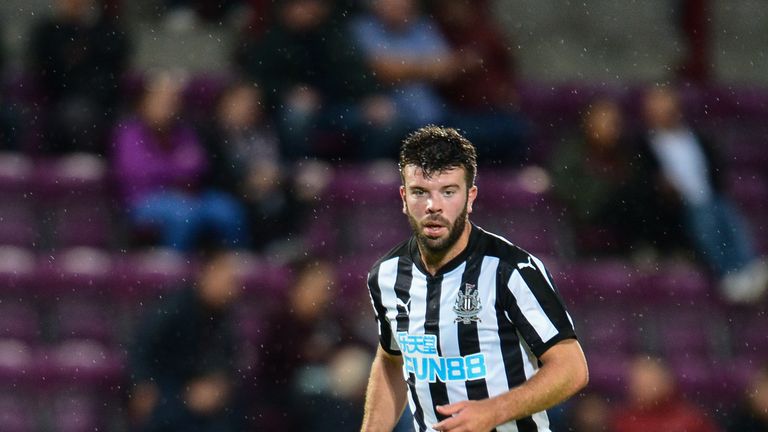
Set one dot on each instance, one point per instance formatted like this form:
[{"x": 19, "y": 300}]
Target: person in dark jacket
[
  {"x": 316, "y": 82},
  {"x": 684, "y": 168},
  {"x": 183, "y": 359},
  {"x": 78, "y": 58}
]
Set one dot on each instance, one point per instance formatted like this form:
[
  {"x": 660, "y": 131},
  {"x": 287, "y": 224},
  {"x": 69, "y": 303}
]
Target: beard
[{"x": 439, "y": 245}]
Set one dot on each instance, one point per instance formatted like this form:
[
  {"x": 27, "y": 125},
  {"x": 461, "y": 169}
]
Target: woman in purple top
[{"x": 160, "y": 163}]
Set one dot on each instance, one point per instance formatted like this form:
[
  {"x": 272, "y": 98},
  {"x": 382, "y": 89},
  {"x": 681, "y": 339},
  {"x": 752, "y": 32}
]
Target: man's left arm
[{"x": 563, "y": 372}]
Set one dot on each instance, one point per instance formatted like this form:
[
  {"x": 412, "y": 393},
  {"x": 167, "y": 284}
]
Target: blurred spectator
[
  {"x": 595, "y": 177},
  {"x": 78, "y": 59},
  {"x": 246, "y": 161},
  {"x": 483, "y": 97},
  {"x": 753, "y": 415},
  {"x": 409, "y": 57},
  {"x": 9, "y": 121},
  {"x": 183, "y": 356},
  {"x": 159, "y": 164},
  {"x": 183, "y": 15},
  {"x": 654, "y": 403},
  {"x": 694, "y": 20},
  {"x": 310, "y": 363},
  {"x": 683, "y": 166},
  {"x": 589, "y": 413},
  {"x": 315, "y": 81}
]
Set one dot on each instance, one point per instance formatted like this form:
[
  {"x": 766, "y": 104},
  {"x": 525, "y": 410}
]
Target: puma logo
[
  {"x": 406, "y": 306},
  {"x": 524, "y": 265}
]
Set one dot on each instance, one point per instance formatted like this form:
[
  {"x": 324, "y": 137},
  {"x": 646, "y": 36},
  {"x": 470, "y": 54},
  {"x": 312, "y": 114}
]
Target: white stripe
[
  {"x": 418, "y": 291},
  {"x": 387, "y": 278},
  {"x": 449, "y": 330},
  {"x": 531, "y": 308}
]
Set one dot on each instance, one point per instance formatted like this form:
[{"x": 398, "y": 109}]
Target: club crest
[{"x": 467, "y": 305}]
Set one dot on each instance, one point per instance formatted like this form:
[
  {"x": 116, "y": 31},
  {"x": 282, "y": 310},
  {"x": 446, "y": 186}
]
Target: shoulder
[
  {"x": 402, "y": 249},
  {"x": 508, "y": 253}
]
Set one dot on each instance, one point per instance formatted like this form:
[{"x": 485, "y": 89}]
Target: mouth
[{"x": 434, "y": 229}]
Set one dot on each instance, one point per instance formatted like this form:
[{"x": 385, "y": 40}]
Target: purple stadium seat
[
  {"x": 16, "y": 415},
  {"x": 75, "y": 198},
  {"x": 686, "y": 332},
  {"x": 75, "y": 413},
  {"x": 18, "y": 363},
  {"x": 73, "y": 319},
  {"x": 19, "y": 320},
  {"x": 606, "y": 331},
  {"x": 680, "y": 283},
  {"x": 79, "y": 271},
  {"x": 82, "y": 363},
  {"x": 605, "y": 281},
  {"x": 361, "y": 212},
  {"x": 150, "y": 274},
  {"x": 17, "y": 270}
]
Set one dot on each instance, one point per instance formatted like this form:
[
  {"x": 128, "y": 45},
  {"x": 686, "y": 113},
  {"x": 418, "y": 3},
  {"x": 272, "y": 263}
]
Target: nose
[{"x": 434, "y": 205}]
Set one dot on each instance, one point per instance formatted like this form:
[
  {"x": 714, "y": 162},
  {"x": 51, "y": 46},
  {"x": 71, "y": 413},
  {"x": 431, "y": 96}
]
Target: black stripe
[
  {"x": 418, "y": 415},
  {"x": 403, "y": 282},
  {"x": 437, "y": 390},
  {"x": 403, "y": 292},
  {"x": 510, "y": 344},
  {"x": 469, "y": 338}
]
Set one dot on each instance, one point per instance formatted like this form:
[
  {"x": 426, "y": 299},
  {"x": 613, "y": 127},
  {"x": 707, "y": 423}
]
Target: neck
[{"x": 434, "y": 261}]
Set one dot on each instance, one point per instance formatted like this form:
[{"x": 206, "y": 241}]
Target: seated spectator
[
  {"x": 77, "y": 58},
  {"x": 483, "y": 98},
  {"x": 683, "y": 166},
  {"x": 246, "y": 161},
  {"x": 183, "y": 356},
  {"x": 593, "y": 175},
  {"x": 316, "y": 83},
  {"x": 309, "y": 348},
  {"x": 159, "y": 166},
  {"x": 183, "y": 15},
  {"x": 752, "y": 416},
  {"x": 589, "y": 413},
  {"x": 654, "y": 404},
  {"x": 409, "y": 57}
]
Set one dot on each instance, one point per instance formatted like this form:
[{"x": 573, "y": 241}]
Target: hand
[{"x": 468, "y": 416}]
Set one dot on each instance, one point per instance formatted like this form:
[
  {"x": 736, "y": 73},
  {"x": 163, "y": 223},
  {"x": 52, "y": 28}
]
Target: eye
[
  {"x": 417, "y": 192},
  {"x": 449, "y": 192}
]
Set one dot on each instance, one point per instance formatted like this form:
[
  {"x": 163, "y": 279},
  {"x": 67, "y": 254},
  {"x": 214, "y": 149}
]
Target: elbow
[{"x": 581, "y": 378}]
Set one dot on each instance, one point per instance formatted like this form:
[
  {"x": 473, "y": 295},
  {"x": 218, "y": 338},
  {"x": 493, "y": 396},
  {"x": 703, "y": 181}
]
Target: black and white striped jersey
[{"x": 472, "y": 331}]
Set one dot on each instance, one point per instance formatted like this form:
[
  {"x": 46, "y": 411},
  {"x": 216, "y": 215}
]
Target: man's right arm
[{"x": 386, "y": 395}]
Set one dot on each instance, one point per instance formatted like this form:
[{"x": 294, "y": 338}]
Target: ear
[
  {"x": 471, "y": 195},
  {"x": 402, "y": 198}
]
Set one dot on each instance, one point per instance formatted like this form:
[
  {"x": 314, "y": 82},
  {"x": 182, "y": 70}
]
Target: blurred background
[{"x": 193, "y": 191}]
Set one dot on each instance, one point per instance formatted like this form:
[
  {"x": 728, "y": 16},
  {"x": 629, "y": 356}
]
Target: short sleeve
[
  {"x": 386, "y": 336},
  {"x": 535, "y": 307}
]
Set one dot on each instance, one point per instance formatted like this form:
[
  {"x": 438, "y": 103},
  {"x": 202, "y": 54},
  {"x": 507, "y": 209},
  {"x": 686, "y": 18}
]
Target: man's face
[{"x": 437, "y": 207}]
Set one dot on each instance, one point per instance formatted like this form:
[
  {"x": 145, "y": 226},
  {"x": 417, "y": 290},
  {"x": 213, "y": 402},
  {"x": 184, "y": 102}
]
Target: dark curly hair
[{"x": 435, "y": 149}]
